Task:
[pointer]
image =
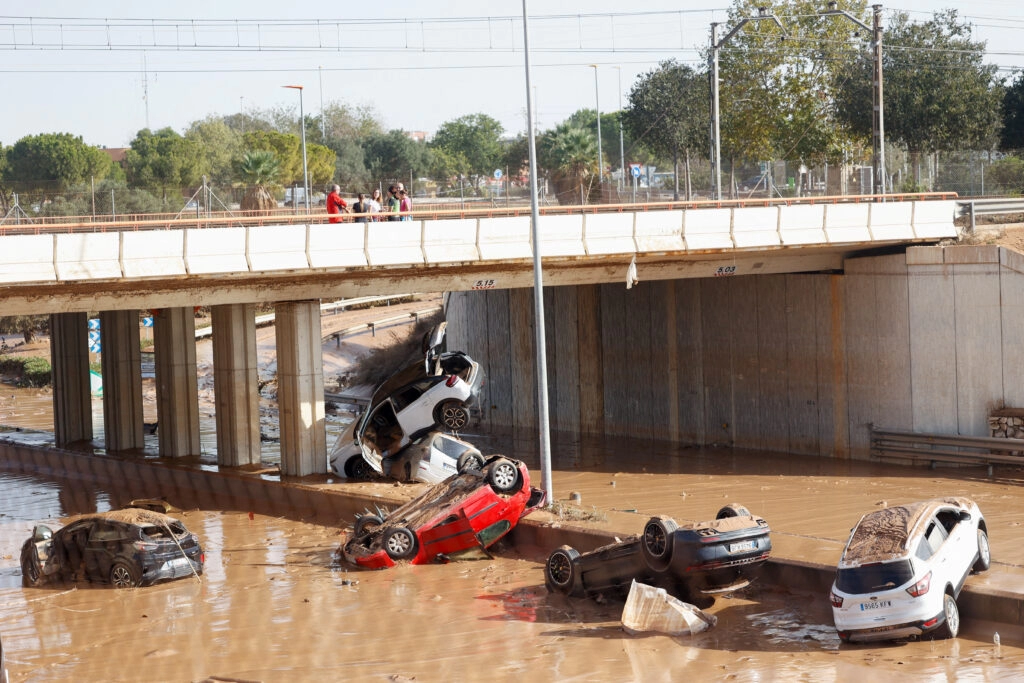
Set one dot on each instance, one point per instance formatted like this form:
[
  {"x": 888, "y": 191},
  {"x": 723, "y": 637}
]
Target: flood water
[{"x": 274, "y": 604}]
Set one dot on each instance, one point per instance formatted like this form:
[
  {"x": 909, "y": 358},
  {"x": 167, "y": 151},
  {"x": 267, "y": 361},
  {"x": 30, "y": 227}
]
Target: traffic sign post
[{"x": 634, "y": 170}]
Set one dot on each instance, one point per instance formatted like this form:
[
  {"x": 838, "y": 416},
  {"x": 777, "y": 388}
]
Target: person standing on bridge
[
  {"x": 394, "y": 204},
  {"x": 374, "y": 202},
  {"x": 361, "y": 209},
  {"x": 336, "y": 205},
  {"x": 405, "y": 205}
]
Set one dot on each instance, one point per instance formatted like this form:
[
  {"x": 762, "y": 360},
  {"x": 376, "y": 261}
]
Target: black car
[
  {"x": 125, "y": 548},
  {"x": 704, "y": 557}
]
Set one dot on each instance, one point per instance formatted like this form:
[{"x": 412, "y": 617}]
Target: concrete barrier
[
  {"x": 277, "y": 247},
  {"x": 27, "y": 258},
  {"x": 334, "y": 245},
  {"x": 934, "y": 219},
  {"x": 609, "y": 233},
  {"x": 756, "y": 226},
  {"x": 153, "y": 253},
  {"x": 393, "y": 243},
  {"x": 450, "y": 241},
  {"x": 802, "y": 224},
  {"x": 847, "y": 223},
  {"x": 561, "y": 236},
  {"x": 708, "y": 229},
  {"x": 88, "y": 256},
  {"x": 659, "y": 231},
  {"x": 892, "y": 221},
  {"x": 215, "y": 250},
  {"x": 504, "y": 238}
]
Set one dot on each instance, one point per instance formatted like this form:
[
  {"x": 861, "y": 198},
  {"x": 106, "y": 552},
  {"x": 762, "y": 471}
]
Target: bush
[{"x": 31, "y": 371}]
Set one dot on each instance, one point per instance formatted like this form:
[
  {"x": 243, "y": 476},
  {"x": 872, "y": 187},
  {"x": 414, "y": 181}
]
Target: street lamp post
[
  {"x": 302, "y": 130},
  {"x": 716, "y": 45},
  {"x": 597, "y": 106},
  {"x": 622, "y": 146}
]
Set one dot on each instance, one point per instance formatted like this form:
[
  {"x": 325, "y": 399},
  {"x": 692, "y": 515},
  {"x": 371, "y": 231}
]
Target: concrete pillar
[
  {"x": 69, "y": 358},
  {"x": 300, "y": 388},
  {"x": 236, "y": 385},
  {"x": 122, "y": 380},
  {"x": 177, "y": 387}
]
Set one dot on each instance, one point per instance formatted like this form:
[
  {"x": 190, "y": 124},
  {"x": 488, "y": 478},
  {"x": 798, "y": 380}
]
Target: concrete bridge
[{"x": 72, "y": 269}]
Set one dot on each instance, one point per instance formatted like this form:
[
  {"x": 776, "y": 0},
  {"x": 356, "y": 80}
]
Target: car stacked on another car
[
  {"x": 125, "y": 548},
  {"x": 703, "y": 557},
  {"x": 903, "y": 567}
]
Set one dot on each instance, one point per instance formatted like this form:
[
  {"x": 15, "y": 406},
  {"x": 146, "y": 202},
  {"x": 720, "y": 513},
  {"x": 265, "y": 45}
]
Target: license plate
[
  {"x": 742, "y": 546},
  {"x": 865, "y": 606}
]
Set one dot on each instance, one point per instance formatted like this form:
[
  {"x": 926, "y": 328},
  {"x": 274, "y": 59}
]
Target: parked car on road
[
  {"x": 412, "y": 402},
  {"x": 903, "y": 567},
  {"x": 469, "y": 510},
  {"x": 704, "y": 557},
  {"x": 125, "y": 548}
]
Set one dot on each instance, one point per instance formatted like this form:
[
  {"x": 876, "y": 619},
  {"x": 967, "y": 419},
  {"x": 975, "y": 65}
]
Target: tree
[
  {"x": 288, "y": 150},
  {"x": 1012, "y": 135},
  {"x": 668, "y": 114},
  {"x": 569, "y": 155},
  {"x": 472, "y": 144},
  {"x": 218, "y": 145},
  {"x": 163, "y": 161},
  {"x": 393, "y": 155},
  {"x": 52, "y": 162},
  {"x": 261, "y": 169}
]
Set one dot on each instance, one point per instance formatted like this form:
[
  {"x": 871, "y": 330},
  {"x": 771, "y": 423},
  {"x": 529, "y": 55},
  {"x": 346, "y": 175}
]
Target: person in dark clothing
[{"x": 361, "y": 208}]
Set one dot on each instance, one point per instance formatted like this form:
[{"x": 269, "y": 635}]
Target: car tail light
[
  {"x": 930, "y": 623},
  {"x": 202, "y": 558},
  {"x": 837, "y": 601},
  {"x": 452, "y": 379},
  {"x": 143, "y": 546},
  {"x": 921, "y": 587}
]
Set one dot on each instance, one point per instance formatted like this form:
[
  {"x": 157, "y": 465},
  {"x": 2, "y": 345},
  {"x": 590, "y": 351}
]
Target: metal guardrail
[
  {"x": 990, "y": 207},
  {"x": 413, "y": 316},
  {"x": 968, "y": 450}
]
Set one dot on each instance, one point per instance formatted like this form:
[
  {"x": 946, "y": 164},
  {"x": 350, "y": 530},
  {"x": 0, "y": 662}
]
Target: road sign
[
  {"x": 634, "y": 170},
  {"x": 497, "y": 174},
  {"x": 94, "y": 323},
  {"x": 94, "y": 341}
]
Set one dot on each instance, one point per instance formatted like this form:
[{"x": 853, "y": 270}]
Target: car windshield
[{"x": 874, "y": 577}]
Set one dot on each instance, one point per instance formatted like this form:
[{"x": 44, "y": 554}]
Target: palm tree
[
  {"x": 260, "y": 169},
  {"x": 570, "y": 157}
]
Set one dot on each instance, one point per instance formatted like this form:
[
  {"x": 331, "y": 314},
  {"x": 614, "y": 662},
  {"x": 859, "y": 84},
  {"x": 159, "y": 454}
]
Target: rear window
[
  {"x": 874, "y": 577},
  {"x": 157, "y": 532}
]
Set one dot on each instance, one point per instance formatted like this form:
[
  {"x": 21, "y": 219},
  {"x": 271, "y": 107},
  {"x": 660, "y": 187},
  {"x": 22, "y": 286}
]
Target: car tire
[
  {"x": 453, "y": 415},
  {"x": 656, "y": 541},
  {"x": 561, "y": 571},
  {"x": 984, "y": 560},
  {"x": 31, "y": 577},
  {"x": 400, "y": 543},
  {"x": 732, "y": 510},
  {"x": 365, "y": 523},
  {"x": 124, "y": 575},
  {"x": 951, "y": 624},
  {"x": 469, "y": 461},
  {"x": 356, "y": 467},
  {"x": 503, "y": 475}
]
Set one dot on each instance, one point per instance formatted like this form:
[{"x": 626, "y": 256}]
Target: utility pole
[
  {"x": 622, "y": 145},
  {"x": 323, "y": 126},
  {"x": 597, "y": 107}
]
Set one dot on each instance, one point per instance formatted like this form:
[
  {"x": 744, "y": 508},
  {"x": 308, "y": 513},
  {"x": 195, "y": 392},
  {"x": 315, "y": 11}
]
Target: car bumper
[
  {"x": 906, "y": 623},
  {"x": 175, "y": 568},
  {"x": 892, "y": 632}
]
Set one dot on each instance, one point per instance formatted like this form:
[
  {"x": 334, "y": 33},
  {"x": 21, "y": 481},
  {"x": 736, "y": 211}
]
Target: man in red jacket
[{"x": 335, "y": 204}]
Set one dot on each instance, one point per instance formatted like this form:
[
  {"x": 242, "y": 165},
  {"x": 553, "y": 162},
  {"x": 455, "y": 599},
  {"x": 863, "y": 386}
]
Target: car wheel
[
  {"x": 503, "y": 476},
  {"x": 454, "y": 416},
  {"x": 560, "y": 572},
  {"x": 984, "y": 552},
  {"x": 951, "y": 626},
  {"x": 30, "y": 574},
  {"x": 469, "y": 461},
  {"x": 365, "y": 523},
  {"x": 399, "y": 543},
  {"x": 124, "y": 575},
  {"x": 732, "y": 510},
  {"x": 656, "y": 542},
  {"x": 356, "y": 467}
]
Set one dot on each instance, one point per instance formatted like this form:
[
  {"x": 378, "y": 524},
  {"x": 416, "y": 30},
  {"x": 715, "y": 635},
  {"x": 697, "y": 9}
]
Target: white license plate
[
  {"x": 742, "y": 546},
  {"x": 865, "y": 606}
]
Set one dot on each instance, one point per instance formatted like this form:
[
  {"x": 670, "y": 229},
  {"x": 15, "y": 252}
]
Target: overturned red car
[{"x": 469, "y": 510}]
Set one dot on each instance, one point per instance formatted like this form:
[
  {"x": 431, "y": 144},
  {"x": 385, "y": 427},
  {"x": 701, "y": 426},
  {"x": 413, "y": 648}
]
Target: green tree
[
  {"x": 472, "y": 145},
  {"x": 393, "y": 155},
  {"x": 569, "y": 156},
  {"x": 288, "y": 150},
  {"x": 1012, "y": 134},
  {"x": 261, "y": 170},
  {"x": 668, "y": 114},
  {"x": 163, "y": 161},
  {"x": 52, "y": 162},
  {"x": 218, "y": 145}
]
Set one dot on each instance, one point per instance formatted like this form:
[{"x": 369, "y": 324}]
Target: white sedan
[{"x": 903, "y": 567}]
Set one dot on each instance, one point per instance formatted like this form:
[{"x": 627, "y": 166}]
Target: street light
[
  {"x": 878, "y": 113},
  {"x": 716, "y": 45},
  {"x": 302, "y": 129},
  {"x": 622, "y": 146},
  {"x": 597, "y": 106}
]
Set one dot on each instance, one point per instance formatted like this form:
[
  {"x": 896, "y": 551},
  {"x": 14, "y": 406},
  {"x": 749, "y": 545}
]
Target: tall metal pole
[
  {"x": 323, "y": 126},
  {"x": 302, "y": 131},
  {"x": 597, "y": 106},
  {"x": 538, "y": 291},
  {"x": 716, "y": 140},
  {"x": 622, "y": 145},
  {"x": 879, "y": 116}
]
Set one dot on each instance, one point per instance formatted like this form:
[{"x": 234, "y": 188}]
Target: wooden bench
[{"x": 935, "y": 448}]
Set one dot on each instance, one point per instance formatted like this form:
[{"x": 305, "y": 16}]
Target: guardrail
[
  {"x": 413, "y": 316},
  {"x": 990, "y": 207},
  {"x": 934, "y": 448}
]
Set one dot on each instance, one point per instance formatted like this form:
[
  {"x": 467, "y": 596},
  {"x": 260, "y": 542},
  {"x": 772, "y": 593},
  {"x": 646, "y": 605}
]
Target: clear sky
[{"x": 84, "y": 67}]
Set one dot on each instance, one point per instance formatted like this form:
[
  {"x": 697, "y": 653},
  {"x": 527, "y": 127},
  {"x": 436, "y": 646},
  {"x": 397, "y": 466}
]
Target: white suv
[{"x": 903, "y": 568}]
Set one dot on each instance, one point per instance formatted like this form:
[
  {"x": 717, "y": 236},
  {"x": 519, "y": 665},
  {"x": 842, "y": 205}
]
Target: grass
[{"x": 32, "y": 371}]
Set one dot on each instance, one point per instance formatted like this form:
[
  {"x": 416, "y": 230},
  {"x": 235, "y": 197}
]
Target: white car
[
  {"x": 407, "y": 405},
  {"x": 903, "y": 568}
]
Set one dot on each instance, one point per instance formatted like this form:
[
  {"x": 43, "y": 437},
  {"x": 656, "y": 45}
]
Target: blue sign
[
  {"x": 497, "y": 174},
  {"x": 635, "y": 170},
  {"x": 94, "y": 341},
  {"x": 94, "y": 323},
  {"x": 147, "y": 321}
]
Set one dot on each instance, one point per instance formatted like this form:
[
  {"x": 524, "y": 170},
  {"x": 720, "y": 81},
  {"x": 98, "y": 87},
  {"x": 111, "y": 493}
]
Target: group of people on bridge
[{"x": 396, "y": 207}]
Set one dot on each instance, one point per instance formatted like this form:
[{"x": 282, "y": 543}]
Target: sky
[{"x": 104, "y": 69}]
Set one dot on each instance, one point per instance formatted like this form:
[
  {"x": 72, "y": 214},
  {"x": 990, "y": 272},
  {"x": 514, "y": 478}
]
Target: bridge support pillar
[
  {"x": 236, "y": 384},
  {"x": 177, "y": 386},
  {"x": 69, "y": 356},
  {"x": 122, "y": 380},
  {"x": 300, "y": 388}
]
